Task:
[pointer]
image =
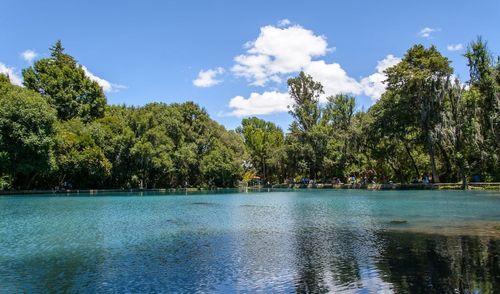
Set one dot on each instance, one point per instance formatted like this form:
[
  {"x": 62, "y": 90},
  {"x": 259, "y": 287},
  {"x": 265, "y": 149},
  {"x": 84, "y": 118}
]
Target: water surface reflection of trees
[
  {"x": 402, "y": 262},
  {"x": 420, "y": 263}
]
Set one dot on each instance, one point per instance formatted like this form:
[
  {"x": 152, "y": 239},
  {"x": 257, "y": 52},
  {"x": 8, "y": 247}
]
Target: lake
[{"x": 346, "y": 241}]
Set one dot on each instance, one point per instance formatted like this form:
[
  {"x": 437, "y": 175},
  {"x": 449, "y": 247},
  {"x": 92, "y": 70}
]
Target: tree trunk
[
  {"x": 396, "y": 170},
  {"x": 435, "y": 177},
  {"x": 31, "y": 180},
  {"x": 447, "y": 161},
  {"x": 264, "y": 177},
  {"x": 465, "y": 184},
  {"x": 412, "y": 160}
]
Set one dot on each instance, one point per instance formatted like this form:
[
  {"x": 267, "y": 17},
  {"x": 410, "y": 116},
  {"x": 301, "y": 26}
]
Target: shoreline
[
  {"x": 99, "y": 191},
  {"x": 373, "y": 187},
  {"x": 394, "y": 186}
]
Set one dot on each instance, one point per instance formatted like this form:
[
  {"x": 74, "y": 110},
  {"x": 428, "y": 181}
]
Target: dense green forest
[{"x": 58, "y": 131}]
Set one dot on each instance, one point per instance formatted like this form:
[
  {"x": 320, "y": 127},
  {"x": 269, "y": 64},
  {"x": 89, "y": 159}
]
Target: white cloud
[
  {"x": 284, "y": 22},
  {"x": 333, "y": 78},
  {"x": 265, "y": 103},
  {"x": 455, "y": 47},
  {"x": 105, "y": 85},
  {"x": 29, "y": 55},
  {"x": 426, "y": 32},
  {"x": 278, "y": 51},
  {"x": 10, "y": 71},
  {"x": 207, "y": 78},
  {"x": 373, "y": 85}
]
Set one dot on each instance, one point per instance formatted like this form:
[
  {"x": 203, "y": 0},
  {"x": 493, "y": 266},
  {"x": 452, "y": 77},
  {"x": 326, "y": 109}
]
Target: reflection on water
[
  {"x": 277, "y": 242},
  {"x": 422, "y": 263}
]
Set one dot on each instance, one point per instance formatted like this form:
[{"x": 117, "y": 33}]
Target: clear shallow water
[{"x": 313, "y": 241}]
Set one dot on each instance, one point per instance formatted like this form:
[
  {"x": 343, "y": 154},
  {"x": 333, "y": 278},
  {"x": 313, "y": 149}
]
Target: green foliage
[
  {"x": 26, "y": 136},
  {"x": 342, "y": 148},
  {"x": 306, "y": 128},
  {"x": 485, "y": 84},
  {"x": 58, "y": 131},
  {"x": 305, "y": 92},
  {"x": 65, "y": 86},
  {"x": 264, "y": 141},
  {"x": 81, "y": 162},
  {"x": 172, "y": 144},
  {"x": 425, "y": 123},
  {"x": 220, "y": 167},
  {"x": 418, "y": 81},
  {"x": 115, "y": 136},
  {"x": 93, "y": 146},
  {"x": 5, "y": 182}
]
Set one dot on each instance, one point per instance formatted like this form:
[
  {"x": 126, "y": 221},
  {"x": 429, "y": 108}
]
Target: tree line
[
  {"x": 57, "y": 130},
  {"x": 426, "y": 124}
]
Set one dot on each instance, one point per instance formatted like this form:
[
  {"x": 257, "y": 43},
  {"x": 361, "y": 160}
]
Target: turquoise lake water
[{"x": 315, "y": 241}]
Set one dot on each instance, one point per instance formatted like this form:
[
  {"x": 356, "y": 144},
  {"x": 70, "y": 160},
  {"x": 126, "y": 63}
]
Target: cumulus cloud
[
  {"x": 426, "y": 32},
  {"x": 207, "y": 78},
  {"x": 270, "y": 102},
  {"x": 265, "y": 103},
  {"x": 284, "y": 22},
  {"x": 11, "y": 73},
  {"x": 105, "y": 85},
  {"x": 29, "y": 55},
  {"x": 373, "y": 85},
  {"x": 455, "y": 47},
  {"x": 333, "y": 77},
  {"x": 278, "y": 51}
]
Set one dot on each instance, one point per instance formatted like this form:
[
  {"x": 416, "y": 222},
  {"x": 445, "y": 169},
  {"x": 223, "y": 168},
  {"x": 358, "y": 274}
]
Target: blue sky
[{"x": 145, "y": 51}]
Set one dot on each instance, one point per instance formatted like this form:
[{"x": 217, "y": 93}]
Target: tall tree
[
  {"x": 63, "y": 82},
  {"x": 418, "y": 80},
  {"x": 485, "y": 78},
  {"x": 338, "y": 117},
  {"x": 306, "y": 111},
  {"x": 305, "y": 93}
]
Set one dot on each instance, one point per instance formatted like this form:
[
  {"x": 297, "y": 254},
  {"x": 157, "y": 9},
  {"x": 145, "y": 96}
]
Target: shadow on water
[{"x": 323, "y": 260}]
